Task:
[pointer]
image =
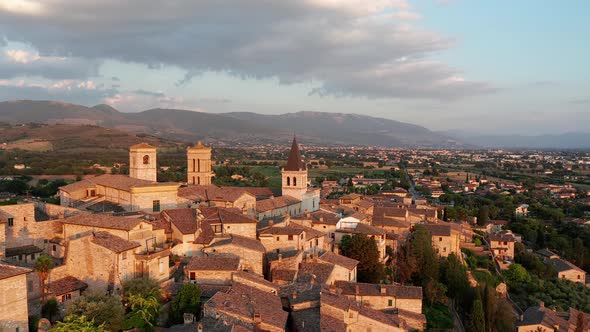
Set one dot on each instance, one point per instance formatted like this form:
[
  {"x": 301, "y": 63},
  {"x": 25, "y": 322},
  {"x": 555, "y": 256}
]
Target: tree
[
  {"x": 477, "y": 319},
  {"x": 504, "y": 321},
  {"x": 104, "y": 310},
  {"x": 50, "y": 309},
  {"x": 142, "y": 297},
  {"x": 516, "y": 275},
  {"x": 186, "y": 301},
  {"x": 77, "y": 323},
  {"x": 489, "y": 305},
  {"x": 405, "y": 264},
  {"x": 426, "y": 259},
  {"x": 434, "y": 291},
  {"x": 143, "y": 312},
  {"x": 43, "y": 265},
  {"x": 483, "y": 216},
  {"x": 364, "y": 250}
]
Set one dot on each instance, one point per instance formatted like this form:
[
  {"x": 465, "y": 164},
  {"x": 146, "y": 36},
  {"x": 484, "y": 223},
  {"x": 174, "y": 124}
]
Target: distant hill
[
  {"x": 234, "y": 128},
  {"x": 72, "y": 138}
]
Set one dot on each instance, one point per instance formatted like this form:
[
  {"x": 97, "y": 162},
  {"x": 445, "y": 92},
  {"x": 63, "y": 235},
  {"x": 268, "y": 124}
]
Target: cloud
[
  {"x": 140, "y": 100},
  {"x": 149, "y": 93},
  {"x": 81, "y": 92},
  {"x": 341, "y": 47},
  {"x": 16, "y": 63}
]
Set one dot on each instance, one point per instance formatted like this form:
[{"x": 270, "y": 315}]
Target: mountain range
[
  {"x": 253, "y": 128},
  {"x": 238, "y": 127}
]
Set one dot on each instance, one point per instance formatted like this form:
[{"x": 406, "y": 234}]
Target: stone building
[
  {"x": 212, "y": 269},
  {"x": 212, "y": 195},
  {"x": 295, "y": 183},
  {"x": 14, "y": 313},
  {"x": 142, "y": 162},
  {"x": 345, "y": 268},
  {"x": 382, "y": 296},
  {"x": 502, "y": 245},
  {"x": 250, "y": 307},
  {"x": 446, "y": 239},
  {"x": 289, "y": 235},
  {"x": 198, "y": 164}
]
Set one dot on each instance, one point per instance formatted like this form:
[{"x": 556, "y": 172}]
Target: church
[{"x": 140, "y": 191}]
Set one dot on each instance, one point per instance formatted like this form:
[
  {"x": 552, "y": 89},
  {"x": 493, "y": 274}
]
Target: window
[
  {"x": 194, "y": 167},
  {"x": 146, "y": 160},
  {"x": 124, "y": 255},
  {"x": 194, "y": 180},
  {"x": 217, "y": 229},
  {"x": 24, "y": 218},
  {"x": 288, "y": 181},
  {"x": 156, "y": 205},
  {"x": 389, "y": 303},
  {"x": 278, "y": 239},
  {"x": 54, "y": 247},
  {"x": 10, "y": 222},
  {"x": 198, "y": 180},
  {"x": 290, "y": 237},
  {"x": 193, "y": 276},
  {"x": 440, "y": 239},
  {"x": 20, "y": 257},
  {"x": 445, "y": 249},
  {"x": 66, "y": 297},
  {"x": 324, "y": 226},
  {"x": 294, "y": 181},
  {"x": 161, "y": 266},
  {"x": 33, "y": 256}
]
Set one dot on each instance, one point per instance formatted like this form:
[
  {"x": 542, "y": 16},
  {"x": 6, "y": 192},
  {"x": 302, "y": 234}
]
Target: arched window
[
  {"x": 198, "y": 180},
  {"x": 288, "y": 181},
  {"x": 294, "y": 181},
  {"x": 146, "y": 159},
  {"x": 193, "y": 180}
]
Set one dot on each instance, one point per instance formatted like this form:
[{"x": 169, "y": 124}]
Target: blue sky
[{"x": 474, "y": 66}]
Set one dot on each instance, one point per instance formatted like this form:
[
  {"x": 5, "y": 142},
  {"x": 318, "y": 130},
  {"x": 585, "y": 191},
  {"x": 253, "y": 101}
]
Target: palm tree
[{"x": 42, "y": 266}]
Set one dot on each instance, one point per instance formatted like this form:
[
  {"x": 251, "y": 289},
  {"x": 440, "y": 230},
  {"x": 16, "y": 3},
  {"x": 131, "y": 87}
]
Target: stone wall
[{"x": 14, "y": 311}]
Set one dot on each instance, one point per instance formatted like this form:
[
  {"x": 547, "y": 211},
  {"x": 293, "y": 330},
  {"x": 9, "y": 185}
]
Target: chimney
[
  {"x": 307, "y": 260},
  {"x": 332, "y": 288},
  {"x": 357, "y": 290},
  {"x": 321, "y": 218},
  {"x": 541, "y": 304},
  {"x": 280, "y": 258},
  {"x": 383, "y": 290},
  {"x": 294, "y": 295},
  {"x": 315, "y": 257},
  {"x": 200, "y": 327},
  {"x": 307, "y": 215},
  {"x": 270, "y": 222}
]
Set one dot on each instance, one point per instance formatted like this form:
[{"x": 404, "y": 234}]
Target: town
[{"x": 299, "y": 238}]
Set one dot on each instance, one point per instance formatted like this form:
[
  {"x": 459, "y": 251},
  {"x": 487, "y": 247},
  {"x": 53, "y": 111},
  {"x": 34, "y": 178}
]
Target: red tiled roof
[
  {"x": 213, "y": 263},
  {"x": 184, "y": 219},
  {"x": 295, "y": 162},
  {"x": 9, "y": 271},
  {"x": 339, "y": 260},
  {"x": 276, "y": 203},
  {"x": 112, "y": 242},
  {"x": 66, "y": 285}
]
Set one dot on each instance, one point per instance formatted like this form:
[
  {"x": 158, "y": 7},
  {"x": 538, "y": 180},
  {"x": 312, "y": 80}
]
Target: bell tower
[
  {"x": 142, "y": 162},
  {"x": 198, "y": 167},
  {"x": 294, "y": 175}
]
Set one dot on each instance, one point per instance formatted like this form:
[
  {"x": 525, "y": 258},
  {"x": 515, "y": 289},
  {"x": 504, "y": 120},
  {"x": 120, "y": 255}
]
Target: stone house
[
  {"x": 568, "y": 271},
  {"x": 14, "y": 313},
  {"x": 345, "y": 268},
  {"x": 383, "y": 296},
  {"x": 502, "y": 245},
  {"x": 340, "y": 313},
  {"x": 103, "y": 261},
  {"x": 66, "y": 289},
  {"x": 194, "y": 229},
  {"x": 446, "y": 239},
  {"x": 290, "y": 235},
  {"x": 21, "y": 228},
  {"x": 212, "y": 195},
  {"x": 250, "y": 251},
  {"x": 212, "y": 270},
  {"x": 247, "y": 306}
]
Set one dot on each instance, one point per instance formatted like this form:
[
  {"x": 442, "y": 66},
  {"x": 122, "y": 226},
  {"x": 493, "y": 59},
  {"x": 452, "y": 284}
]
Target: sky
[{"x": 480, "y": 67}]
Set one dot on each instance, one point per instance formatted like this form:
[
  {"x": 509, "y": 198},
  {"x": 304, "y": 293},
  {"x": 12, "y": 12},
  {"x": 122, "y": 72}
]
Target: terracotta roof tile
[
  {"x": 66, "y": 285},
  {"x": 184, "y": 219},
  {"x": 339, "y": 260},
  {"x": 8, "y": 271},
  {"x": 276, "y": 203},
  {"x": 399, "y": 291},
  {"x": 213, "y": 263},
  {"x": 112, "y": 242}
]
